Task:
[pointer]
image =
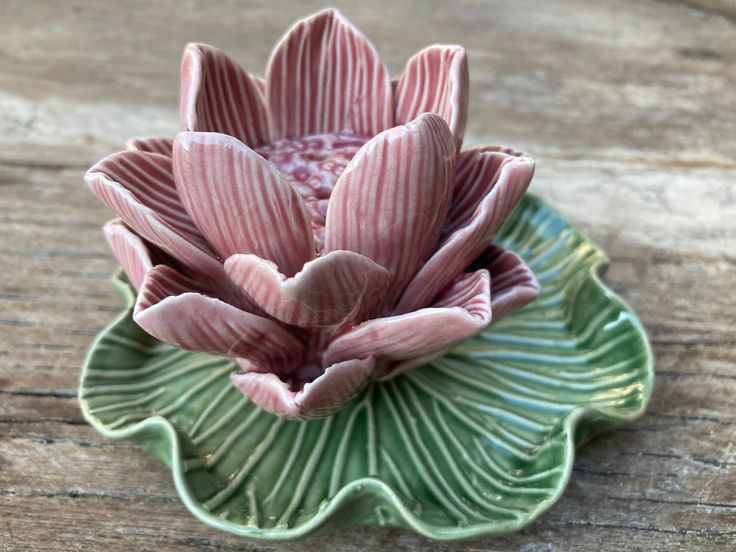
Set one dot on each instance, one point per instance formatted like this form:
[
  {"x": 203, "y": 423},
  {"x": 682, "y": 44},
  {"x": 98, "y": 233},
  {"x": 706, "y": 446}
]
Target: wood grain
[{"x": 629, "y": 108}]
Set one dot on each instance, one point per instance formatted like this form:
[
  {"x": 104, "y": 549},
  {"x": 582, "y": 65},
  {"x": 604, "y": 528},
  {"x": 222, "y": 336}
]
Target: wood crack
[
  {"x": 674, "y": 502},
  {"x": 57, "y": 394},
  {"x": 79, "y": 494},
  {"x": 647, "y": 528}
]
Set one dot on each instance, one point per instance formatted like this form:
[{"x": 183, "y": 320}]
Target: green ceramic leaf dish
[{"x": 480, "y": 442}]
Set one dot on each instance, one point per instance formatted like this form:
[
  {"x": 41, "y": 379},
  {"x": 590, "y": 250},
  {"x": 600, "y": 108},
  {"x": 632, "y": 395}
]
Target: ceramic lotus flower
[{"x": 321, "y": 226}]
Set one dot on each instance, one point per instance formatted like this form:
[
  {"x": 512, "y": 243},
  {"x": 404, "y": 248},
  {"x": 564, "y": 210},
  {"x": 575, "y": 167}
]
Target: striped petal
[
  {"x": 391, "y": 200},
  {"x": 140, "y": 188},
  {"x": 130, "y": 251},
  {"x": 476, "y": 173},
  {"x": 513, "y": 284},
  {"x": 217, "y": 95},
  {"x": 461, "y": 311},
  {"x": 435, "y": 80},
  {"x": 175, "y": 309},
  {"x": 328, "y": 393},
  {"x": 240, "y": 201},
  {"x": 324, "y": 76},
  {"x": 159, "y": 145},
  {"x": 260, "y": 83},
  {"x": 463, "y": 245},
  {"x": 339, "y": 286}
]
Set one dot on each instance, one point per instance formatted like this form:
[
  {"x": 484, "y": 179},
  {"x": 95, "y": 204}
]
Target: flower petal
[
  {"x": 326, "y": 394},
  {"x": 330, "y": 289},
  {"x": 260, "y": 83},
  {"x": 513, "y": 284},
  {"x": 130, "y": 251},
  {"x": 159, "y": 145},
  {"x": 435, "y": 80},
  {"x": 140, "y": 188},
  {"x": 476, "y": 173},
  {"x": 391, "y": 200},
  {"x": 240, "y": 201},
  {"x": 217, "y": 95},
  {"x": 324, "y": 76},
  {"x": 174, "y": 309},
  {"x": 268, "y": 391},
  {"x": 463, "y": 245},
  {"x": 463, "y": 310}
]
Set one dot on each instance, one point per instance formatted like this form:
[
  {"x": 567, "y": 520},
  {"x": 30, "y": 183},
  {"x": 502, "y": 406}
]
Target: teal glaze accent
[{"x": 479, "y": 442}]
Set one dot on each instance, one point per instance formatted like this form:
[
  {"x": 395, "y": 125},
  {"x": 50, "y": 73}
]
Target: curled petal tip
[
  {"x": 461, "y": 311},
  {"x": 130, "y": 251},
  {"x": 328, "y": 290},
  {"x": 337, "y": 385},
  {"x": 178, "y": 310}
]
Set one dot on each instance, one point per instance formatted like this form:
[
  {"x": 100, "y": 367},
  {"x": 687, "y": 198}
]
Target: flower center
[{"x": 312, "y": 165}]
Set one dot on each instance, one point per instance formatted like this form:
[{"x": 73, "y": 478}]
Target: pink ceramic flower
[{"x": 319, "y": 226}]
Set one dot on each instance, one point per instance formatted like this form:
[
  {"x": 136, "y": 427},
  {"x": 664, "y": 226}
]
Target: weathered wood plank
[
  {"x": 629, "y": 108},
  {"x": 90, "y": 523},
  {"x": 571, "y": 75}
]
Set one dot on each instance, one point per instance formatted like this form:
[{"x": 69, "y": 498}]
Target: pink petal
[
  {"x": 217, "y": 95},
  {"x": 240, "y": 201},
  {"x": 513, "y": 284},
  {"x": 463, "y": 310},
  {"x": 328, "y": 393},
  {"x": 268, "y": 391},
  {"x": 324, "y": 76},
  {"x": 151, "y": 145},
  {"x": 130, "y": 251},
  {"x": 435, "y": 80},
  {"x": 173, "y": 308},
  {"x": 140, "y": 188},
  {"x": 476, "y": 173},
  {"x": 338, "y": 286},
  {"x": 260, "y": 83},
  {"x": 390, "y": 201},
  {"x": 507, "y": 150},
  {"x": 149, "y": 178},
  {"x": 463, "y": 245}
]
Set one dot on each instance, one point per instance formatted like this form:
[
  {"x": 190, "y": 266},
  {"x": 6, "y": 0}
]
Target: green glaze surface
[{"x": 480, "y": 442}]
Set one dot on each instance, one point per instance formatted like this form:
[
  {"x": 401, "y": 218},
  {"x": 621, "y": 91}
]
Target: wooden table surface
[{"x": 629, "y": 107}]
